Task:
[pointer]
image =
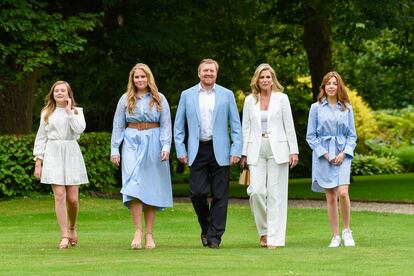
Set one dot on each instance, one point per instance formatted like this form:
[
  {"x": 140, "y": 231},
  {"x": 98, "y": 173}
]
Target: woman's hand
[
  {"x": 337, "y": 161},
  {"x": 243, "y": 162},
  {"x": 165, "y": 155},
  {"x": 69, "y": 106},
  {"x": 293, "y": 160},
  {"x": 38, "y": 169},
  {"x": 326, "y": 156},
  {"x": 115, "y": 159}
]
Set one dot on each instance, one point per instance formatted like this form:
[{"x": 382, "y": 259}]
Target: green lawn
[
  {"x": 29, "y": 236},
  {"x": 386, "y": 188}
]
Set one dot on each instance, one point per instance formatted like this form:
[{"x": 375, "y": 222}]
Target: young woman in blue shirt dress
[
  {"x": 332, "y": 137},
  {"x": 142, "y": 123}
]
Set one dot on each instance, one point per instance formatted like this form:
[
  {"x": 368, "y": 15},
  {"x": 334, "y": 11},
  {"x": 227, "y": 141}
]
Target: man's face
[{"x": 207, "y": 74}]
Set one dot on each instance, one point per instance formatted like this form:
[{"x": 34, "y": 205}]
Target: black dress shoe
[
  {"x": 214, "y": 245},
  {"x": 204, "y": 239}
]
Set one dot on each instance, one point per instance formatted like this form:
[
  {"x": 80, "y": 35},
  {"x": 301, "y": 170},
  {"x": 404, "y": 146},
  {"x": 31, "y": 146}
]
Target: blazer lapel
[
  {"x": 217, "y": 101},
  {"x": 256, "y": 111},
  {"x": 196, "y": 101}
]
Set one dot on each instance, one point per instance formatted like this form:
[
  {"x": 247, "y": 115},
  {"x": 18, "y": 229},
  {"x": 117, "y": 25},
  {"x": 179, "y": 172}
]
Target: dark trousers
[{"x": 212, "y": 218}]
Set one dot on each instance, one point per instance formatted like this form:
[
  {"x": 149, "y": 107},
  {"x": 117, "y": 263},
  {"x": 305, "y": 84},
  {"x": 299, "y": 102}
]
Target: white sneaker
[
  {"x": 335, "y": 242},
  {"x": 347, "y": 237}
]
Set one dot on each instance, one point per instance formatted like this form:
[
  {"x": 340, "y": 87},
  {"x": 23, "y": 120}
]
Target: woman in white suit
[{"x": 269, "y": 147}]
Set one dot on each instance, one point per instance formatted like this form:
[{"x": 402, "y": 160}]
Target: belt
[
  {"x": 143, "y": 125},
  {"x": 208, "y": 142},
  {"x": 265, "y": 135}
]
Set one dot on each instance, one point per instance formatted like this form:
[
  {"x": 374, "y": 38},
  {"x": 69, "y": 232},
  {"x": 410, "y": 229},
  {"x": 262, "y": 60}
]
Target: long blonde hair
[
  {"x": 254, "y": 83},
  {"x": 342, "y": 95},
  {"x": 132, "y": 89},
  {"x": 50, "y": 103}
]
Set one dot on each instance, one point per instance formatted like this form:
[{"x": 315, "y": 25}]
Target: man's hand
[
  {"x": 115, "y": 159},
  {"x": 183, "y": 159},
  {"x": 234, "y": 160}
]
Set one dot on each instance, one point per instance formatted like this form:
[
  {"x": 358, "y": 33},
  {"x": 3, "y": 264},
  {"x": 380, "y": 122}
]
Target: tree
[{"x": 33, "y": 35}]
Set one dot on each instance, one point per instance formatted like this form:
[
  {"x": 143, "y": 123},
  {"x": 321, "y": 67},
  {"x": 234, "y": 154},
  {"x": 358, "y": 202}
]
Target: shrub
[
  {"x": 17, "y": 164},
  {"x": 365, "y": 122},
  {"x": 406, "y": 157},
  {"x": 373, "y": 164}
]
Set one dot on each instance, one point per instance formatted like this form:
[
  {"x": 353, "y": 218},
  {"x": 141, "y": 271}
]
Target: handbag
[{"x": 244, "y": 178}]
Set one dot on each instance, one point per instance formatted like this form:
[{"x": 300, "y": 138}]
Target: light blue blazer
[{"x": 225, "y": 111}]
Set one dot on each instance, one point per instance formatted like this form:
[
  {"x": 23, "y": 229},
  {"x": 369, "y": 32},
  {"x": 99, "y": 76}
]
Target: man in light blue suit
[{"x": 208, "y": 109}]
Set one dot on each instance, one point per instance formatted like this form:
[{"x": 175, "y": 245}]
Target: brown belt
[{"x": 143, "y": 125}]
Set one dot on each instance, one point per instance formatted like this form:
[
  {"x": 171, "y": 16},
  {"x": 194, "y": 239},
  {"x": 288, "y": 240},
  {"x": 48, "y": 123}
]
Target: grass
[
  {"x": 29, "y": 236},
  {"x": 383, "y": 188}
]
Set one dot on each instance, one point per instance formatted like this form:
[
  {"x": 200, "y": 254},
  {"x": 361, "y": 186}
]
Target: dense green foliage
[
  {"x": 17, "y": 164},
  {"x": 105, "y": 231}
]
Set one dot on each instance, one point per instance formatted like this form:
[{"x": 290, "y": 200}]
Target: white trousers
[{"x": 268, "y": 192}]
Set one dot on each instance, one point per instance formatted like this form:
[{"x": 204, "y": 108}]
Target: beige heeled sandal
[
  {"x": 64, "y": 243},
  {"x": 149, "y": 241},
  {"x": 136, "y": 242},
  {"x": 73, "y": 239}
]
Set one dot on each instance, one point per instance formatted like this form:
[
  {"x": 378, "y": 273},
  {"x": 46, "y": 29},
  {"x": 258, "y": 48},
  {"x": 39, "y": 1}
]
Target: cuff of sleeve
[
  {"x": 38, "y": 157},
  {"x": 349, "y": 151},
  {"x": 320, "y": 151},
  {"x": 114, "y": 151},
  {"x": 166, "y": 148}
]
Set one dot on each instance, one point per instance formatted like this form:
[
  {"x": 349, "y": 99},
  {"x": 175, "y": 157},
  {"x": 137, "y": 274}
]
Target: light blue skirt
[{"x": 144, "y": 176}]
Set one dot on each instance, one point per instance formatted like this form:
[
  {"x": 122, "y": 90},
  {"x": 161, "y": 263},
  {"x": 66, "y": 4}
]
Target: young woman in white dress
[{"x": 59, "y": 161}]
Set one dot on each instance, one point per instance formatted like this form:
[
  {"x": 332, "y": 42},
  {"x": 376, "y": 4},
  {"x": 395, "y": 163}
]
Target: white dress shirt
[{"x": 206, "y": 104}]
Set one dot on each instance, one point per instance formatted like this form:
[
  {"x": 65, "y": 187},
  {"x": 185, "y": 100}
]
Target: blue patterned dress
[
  {"x": 144, "y": 175},
  {"x": 331, "y": 131}
]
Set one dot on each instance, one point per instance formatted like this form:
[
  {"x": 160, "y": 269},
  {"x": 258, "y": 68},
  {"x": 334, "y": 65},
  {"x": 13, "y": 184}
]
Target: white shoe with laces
[
  {"x": 335, "y": 242},
  {"x": 347, "y": 237}
]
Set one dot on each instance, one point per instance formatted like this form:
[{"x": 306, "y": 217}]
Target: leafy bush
[
  {"x": 17, "y": 164},
  {"x": 365, "y": 122},
  {"x": 406, "y": 157},
  {"x": 396, "y": 126},
  {"x": 373, "y": 164}
]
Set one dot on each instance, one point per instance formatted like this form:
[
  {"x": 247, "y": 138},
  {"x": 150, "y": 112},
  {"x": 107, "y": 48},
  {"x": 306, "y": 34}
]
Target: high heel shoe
[
  {"x": 136, "y": 242},
  {"x": 263, "y": 241},
  {"x": 73, "y": 239},
  {"x": 149, "y": 241},
  {"x": 64, "y": 243}
]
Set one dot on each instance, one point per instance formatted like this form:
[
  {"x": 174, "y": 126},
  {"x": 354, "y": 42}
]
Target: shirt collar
[
  {"x": 201, "y": 89},
  {"x": 325, "y": 101}
]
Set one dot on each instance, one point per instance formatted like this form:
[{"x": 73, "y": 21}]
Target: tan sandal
[
  {"x": 263, "y": 241},
  {"x": 149, "y": 241},
  {"x": 64, "y": 243},
  {"x": 73, "y": 239},
  {"x": 136, "y": 242}
]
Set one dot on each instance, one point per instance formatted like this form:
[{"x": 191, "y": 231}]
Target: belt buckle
[{"x": 265, "y": 135}]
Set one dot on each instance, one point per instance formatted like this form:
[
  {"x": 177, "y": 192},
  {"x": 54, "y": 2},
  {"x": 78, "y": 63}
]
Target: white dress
[{"x": 56, "y": 145}]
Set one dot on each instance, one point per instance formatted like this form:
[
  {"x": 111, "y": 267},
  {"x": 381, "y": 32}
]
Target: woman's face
[
  {"x": 331, "y": 87},
  {"x": 60, "y": 94},
  {"x": 140, "y": 80},
  {"x": 265, "y": 80}
]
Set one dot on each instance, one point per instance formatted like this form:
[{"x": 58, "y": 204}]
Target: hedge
[{"x": 17, "y": 164}]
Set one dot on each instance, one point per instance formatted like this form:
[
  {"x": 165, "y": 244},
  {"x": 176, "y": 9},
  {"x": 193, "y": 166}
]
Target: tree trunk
[
  {"x": 16, "y": 105},
  {"x": 316, "y": 40}
]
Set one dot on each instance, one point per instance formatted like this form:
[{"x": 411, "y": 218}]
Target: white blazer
[{"x": 281, "y": 130}]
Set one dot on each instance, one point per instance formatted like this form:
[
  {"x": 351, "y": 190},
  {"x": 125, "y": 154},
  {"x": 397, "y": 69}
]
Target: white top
[
  {"x": 61, "y": 126},
  {"x": 206, "y": 103},
  {"x": 263, "y": 118}
]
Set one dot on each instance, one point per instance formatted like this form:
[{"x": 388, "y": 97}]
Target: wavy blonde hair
[
  {"x": 342, "y": 95},
  {"x": 132, "y": 89},
  {"x": 254, "y": 83},
  {"x": 50, "y": 103}
]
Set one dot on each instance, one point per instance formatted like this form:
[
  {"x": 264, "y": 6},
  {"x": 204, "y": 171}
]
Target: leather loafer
[
  {"x": 204, "y": 239},
  {"x": 214, "y": 245}
]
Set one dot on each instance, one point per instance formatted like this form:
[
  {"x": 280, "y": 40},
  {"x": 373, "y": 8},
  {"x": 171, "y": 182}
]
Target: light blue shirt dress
[
  {"x": 144, "y": 175},
  {"x": 331, "y": 131}
]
